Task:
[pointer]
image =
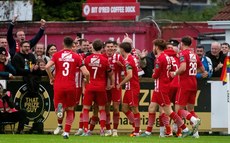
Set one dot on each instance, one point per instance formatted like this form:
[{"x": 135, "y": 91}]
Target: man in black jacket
[
  {"x": 25, "y": 65},
  {"x": 14, "y": 44},
  {"x": 217, "y": 57}
]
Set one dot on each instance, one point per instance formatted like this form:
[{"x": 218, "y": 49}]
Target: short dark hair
[
  {"x": 23, "y": 42},
  {"x": 97, "y": 45},
  {"x": 160, "y": 43},
  {"x": 68, "y": 42},
  {"x": 109, "y": 42},
  {"x": 115, "y": 43},
  {"x": 200, "y": 46},
  {"x": 126, "y": 46},
  {"x": 225, "y": 43},
  {"x": 187, "y": 40},
  {"x": 82, "y": 40}
]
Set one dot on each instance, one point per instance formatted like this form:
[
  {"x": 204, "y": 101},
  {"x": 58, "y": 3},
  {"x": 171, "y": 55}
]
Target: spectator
[
  {"x": 225, "y": 48},
  {"x": 6, "y": 69},
  {"x": 206, "y": 61},
  {"x": 217, "y": 57},
  {"x": 39, "y": 52},
  {"x": 150, "y": 58},
  {"x": 4, "y": 43},
  {"x": 41, "y": 67},
  {"x": 25, "y": 64},
  {"x": 9, "y": 113},
  {"x": 77, "y": 42},
  {"x": 50, "y": 50},
  {"x": 139, "y": 56},
  {"x": 84, "y": 46},
  {"x": 14, "y": 44}
]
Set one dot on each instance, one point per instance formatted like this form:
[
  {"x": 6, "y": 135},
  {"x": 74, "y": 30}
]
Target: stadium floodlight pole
[{"x": 228, "y": 90}]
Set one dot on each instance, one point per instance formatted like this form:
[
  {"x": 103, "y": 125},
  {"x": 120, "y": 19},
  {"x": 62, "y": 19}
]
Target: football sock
[
  {"x": 116, "y": 117},
  {"x": 151, "y": 120},
  {"x": 69, "y": 120},
  {"x": 85, "y": 119},
  {"x": 137, "y": 120},
  {"x": 102, "y": 119}
]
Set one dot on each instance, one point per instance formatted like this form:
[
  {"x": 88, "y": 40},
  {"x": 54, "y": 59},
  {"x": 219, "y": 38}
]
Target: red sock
[
  {"x": 177, "y": 120},
  {"x": 93, "y": 122},
  {"x": 165, "y": 119},
  {"x": 137, "y": 121},
  {"x": 161, "y": 121},
  {"x": 194, "y": 114},
  {"x": 130, "y": 116},
  {"x": 185, "y": 114},
  {"x": 81, "y": 121},
  {"x": 107, "y": 121},
  {"x": 69, "y": 120},
  {"x": 151, "y": 120},
  {"x": 116, "y": 117},
  {"x": 60, "y": 120},
  {"x": 85, "y": 118},
  {"x": 102, "y": 119}
]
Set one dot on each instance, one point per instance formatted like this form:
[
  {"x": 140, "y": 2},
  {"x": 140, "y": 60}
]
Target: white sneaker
[
  {"x": 196, "y": 125},
  {"x": 162, "y": 135},
  {"x": 108, "y": 133},
  {"x": 196, "y": 135},
  {"x": 58, "y": 130},
  {"x": 115, "y": 133},
  {"x": 174, "y": 128},
  {"x": 65, "y": 135},
  {"x": 79, "y": 132}
]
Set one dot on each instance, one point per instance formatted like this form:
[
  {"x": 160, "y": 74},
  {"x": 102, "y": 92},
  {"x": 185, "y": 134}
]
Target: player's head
[
  {"x": 159, "y": 45},
  {"x": 97, "y": 45},
  {"x": 68, "y": 42},
  {"x": 125, "y": 48},
  {"x": 109, "y": 47},
  {"x": 186, "y": 42}
]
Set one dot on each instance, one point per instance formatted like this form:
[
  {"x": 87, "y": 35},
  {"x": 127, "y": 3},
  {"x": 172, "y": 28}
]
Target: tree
[{"x": 57, "y": 10}]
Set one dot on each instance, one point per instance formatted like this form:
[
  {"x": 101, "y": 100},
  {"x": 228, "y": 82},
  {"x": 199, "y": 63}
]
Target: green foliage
[
  {"x": 57, "y": 10},
  {"x": 189, "y": 14}
]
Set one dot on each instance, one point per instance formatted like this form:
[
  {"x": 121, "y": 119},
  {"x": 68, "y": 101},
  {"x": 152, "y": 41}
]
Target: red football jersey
[
  {"x": 188, "y": 78},
  {"x": 134, "y": 81},
  {"x": 162, "y": 73},
  {"x": 66, "y": 63},
  {"x": 175, "y": 65},
  {"x": 98, "y": 67},
  {"x": 117, "y": 64}
]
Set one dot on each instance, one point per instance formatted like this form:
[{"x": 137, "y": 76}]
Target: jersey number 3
[{"x": 65, "y": 71}]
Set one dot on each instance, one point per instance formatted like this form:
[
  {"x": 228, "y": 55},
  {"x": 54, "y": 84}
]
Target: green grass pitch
[{"x": 32, "y": 138}]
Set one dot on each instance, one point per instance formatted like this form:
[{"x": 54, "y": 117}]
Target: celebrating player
[{"x": 66, "y": 63}]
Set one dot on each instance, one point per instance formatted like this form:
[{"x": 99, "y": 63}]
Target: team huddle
[{"x": 98, "y": 77}]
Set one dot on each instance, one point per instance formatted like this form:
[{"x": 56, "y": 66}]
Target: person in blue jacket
[{"x": 206, "y": 61}]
